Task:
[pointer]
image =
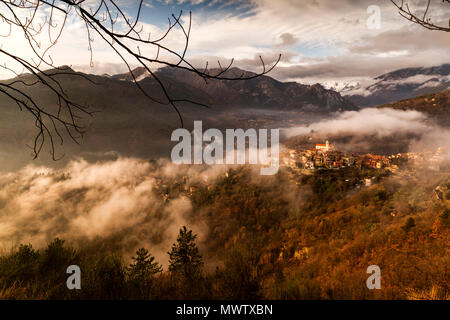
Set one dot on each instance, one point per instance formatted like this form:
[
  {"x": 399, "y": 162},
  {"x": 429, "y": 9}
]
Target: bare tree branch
[
  {"x": 425, "y": 21},
  {"x": 124, "y": 37}
]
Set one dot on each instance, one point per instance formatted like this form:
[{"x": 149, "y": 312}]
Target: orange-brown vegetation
[{"x": 281, "y": 237}]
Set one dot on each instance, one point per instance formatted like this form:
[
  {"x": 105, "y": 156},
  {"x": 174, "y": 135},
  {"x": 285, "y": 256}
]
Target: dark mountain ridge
[
  {"x": 130, "y": 124},
  {"x": 442, "y": 70},
  {"x": 261, "y": 92},
  {"x": 401, "y": 84}
]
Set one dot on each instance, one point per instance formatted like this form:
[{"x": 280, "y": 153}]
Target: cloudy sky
[{"x": 320, "y": 40}]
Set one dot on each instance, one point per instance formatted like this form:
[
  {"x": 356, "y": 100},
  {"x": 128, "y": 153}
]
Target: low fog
[
  {"x": 90, "y": 201},
  {"x": 123, "y": 198},
  {"x": 382, "y": 130}
]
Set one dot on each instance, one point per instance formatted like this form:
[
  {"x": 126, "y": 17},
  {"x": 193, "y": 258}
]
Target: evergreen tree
[
  {"x": 143, "y": 266},
  {"x": 140, "y": 274},
  {"x": 184, "y": 258}
]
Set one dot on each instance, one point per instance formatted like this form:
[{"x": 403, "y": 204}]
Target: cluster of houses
[
  {"x": 322, "y": 156},
  {"x": 170, "y": 188},
  {"x": 327, "y": 156}
]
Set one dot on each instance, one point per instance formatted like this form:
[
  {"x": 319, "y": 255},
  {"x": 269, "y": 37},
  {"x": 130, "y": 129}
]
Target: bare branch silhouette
[
  {"x": 423, "y": 20},
  {"x": 124, "y": 36}
]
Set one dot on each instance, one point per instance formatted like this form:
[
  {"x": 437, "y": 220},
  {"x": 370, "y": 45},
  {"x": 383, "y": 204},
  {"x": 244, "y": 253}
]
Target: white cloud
[
  {"x": 370, "y": 121},
  {"x": 86, "y": 201},
  {"x": 321, "y": 35},
  {"x": 412, "y": 128}
]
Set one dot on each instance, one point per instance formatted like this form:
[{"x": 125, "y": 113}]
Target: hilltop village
[
  {"x": 327, "y": 156},
  {"x": 303, "y": 161}
]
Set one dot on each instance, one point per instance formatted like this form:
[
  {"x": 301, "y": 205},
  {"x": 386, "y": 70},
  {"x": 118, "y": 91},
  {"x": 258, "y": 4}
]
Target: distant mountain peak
[
  {"x": 63, "y": 68},
  {"x": 263, "y": 91},
  {"x": 441, "y": 70},
  {"x": 401, "y": 84},
  {"x": 139, "y": 73}
]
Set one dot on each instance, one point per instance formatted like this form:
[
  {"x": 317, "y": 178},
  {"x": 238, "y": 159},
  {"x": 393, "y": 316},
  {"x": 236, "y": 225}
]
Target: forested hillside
[{"x": 284, "y": 237}]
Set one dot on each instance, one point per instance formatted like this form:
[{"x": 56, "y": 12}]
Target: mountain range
[
  {"x": 396, "y": 85},
  {"x": 260, "y": 92},
  {"x": 129, "y": 124}
]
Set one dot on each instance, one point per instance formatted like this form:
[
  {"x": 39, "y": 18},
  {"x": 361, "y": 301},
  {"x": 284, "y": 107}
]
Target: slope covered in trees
[
  {"x": 282, "y": 237},
  {"x": 436, "y": 105}
]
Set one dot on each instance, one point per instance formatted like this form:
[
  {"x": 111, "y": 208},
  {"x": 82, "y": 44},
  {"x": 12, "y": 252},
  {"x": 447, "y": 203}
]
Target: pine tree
[
  {"x": 144, "y": 266},
  {"x": 184, "y": 258}
]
